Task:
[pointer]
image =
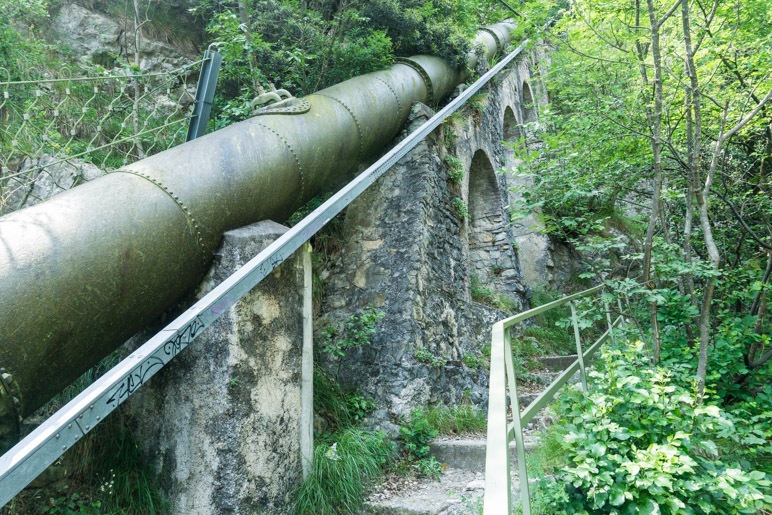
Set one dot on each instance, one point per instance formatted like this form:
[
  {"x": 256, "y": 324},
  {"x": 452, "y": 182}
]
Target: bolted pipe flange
[
  {"x": 499, "y": 43},
  {"x": 424, "y": 76},
  {"x": 9, "y": 413}
]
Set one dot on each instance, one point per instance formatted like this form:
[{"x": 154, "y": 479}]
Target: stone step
[
  {"x": 457, "y": 492},
  {"x": 557, "y": 363},
  {"x": 469, "y": 453}
]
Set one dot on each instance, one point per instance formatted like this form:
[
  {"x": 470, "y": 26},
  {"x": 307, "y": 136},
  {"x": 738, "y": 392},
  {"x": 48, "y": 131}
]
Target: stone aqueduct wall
[{"x": 409, "y": 254}]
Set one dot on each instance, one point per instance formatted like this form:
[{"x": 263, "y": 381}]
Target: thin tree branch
[
  {"x": 740, "y": 219},
  {"x": 669, "y": 13},
  {"x": 742, "y": 123}
]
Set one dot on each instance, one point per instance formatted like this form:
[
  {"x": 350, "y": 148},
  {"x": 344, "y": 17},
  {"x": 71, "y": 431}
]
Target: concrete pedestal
[{"x": 223, "y": 425}]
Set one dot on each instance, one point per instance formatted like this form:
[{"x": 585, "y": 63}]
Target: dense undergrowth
[{"x": 641, "y": 441}]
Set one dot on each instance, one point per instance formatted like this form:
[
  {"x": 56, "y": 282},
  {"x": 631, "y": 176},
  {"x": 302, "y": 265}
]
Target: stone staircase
[{"x": 460, "y": 489}]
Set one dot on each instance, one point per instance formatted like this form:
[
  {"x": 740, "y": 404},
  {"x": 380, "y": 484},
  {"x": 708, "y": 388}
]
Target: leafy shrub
[
  {"x": 340, "y": 409},
  {"x": 358, "y": 331},
  {"x": 641, "y": 443},
  {"x": 461, "y": 209},
  {"x": 474, "y": 361},
  {"x": 455, "y": 168},
  {"x": 415, "y": 436}
]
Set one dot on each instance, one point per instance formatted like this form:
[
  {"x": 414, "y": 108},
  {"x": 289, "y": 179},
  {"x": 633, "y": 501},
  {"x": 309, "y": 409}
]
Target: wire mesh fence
[{"x": 57, "y": 130}]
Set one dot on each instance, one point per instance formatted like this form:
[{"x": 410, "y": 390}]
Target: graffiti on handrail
[
  {"x": 184, "y": 337},
  {"x": 134, "y": 380}
]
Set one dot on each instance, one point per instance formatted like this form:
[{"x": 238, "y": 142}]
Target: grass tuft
[
  {"x": 456, "y": 420},
  {"x": 343, "y": 468}
]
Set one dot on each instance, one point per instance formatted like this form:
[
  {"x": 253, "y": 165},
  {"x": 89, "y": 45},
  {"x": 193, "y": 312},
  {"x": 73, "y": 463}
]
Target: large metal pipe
[{"x": 83, "y": 271}]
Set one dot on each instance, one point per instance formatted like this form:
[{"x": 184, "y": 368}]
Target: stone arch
[
  {"x": 511, "y": 128},
  {"x": 488, "y": 241},
  {"x": 529, "y": 104}
]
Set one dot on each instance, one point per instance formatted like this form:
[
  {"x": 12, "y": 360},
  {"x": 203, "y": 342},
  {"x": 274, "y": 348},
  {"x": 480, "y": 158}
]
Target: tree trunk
[
  {"x": 654, "y": 115},
  {"x": 137, "y": 84},
  {"x": 244, "y": 18}
]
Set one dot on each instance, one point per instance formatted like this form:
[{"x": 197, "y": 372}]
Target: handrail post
[
  {"x": 608, "y": 321},
  {"x": 579, "y": 353},
  {"x": 307, "y": 368},
  {"x": 498, "y": 496},
  {"x": 514, "y": 401}
]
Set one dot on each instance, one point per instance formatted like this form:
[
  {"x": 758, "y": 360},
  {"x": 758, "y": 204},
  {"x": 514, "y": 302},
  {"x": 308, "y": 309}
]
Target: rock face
[
  {"x": 38, "y": 179},
  {"x": 422, "y": 247},
  {"x": 222, "y": 426},
  {"x": 92, "y": 36}
]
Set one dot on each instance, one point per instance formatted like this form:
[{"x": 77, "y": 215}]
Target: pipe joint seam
[
  {"x": 396, "y": 97},
  {"x": 185, "y": 210},
  {"x": 360, "y": 152},
  {"x": 301, "y": 196},
  {"x": 424, "y": 76}
]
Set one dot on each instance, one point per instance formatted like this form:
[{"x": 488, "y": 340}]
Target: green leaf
[{"x": 616, "y": 496}]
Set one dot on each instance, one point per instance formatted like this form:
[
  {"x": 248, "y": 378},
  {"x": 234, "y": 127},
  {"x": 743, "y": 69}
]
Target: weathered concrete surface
[{"x": 222, "y": 424}]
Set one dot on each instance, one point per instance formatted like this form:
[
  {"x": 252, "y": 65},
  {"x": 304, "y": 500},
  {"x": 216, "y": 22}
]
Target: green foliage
[
  {"x": 72, "y": 503},
  {"x": 456, "y": 420},
  {"x": 415, "y": 436},
  {"x": 474, "y": 361},
  {"x": 346, "y": 458},
  {"x": 306, "y": 46},
  {"x": 461, "y": 209},
  {"x": 455, "y": 168},
  {"x": 359, "y": 406},
  {"x": 359, "y": 330},
  {"x": 478, "y": 102},
  {"x": 342, "y": 469},
  {"x": 485, "y": 295},
  {"x": 340, "y": 409},
  {"x": 21, "y": 50},
  {"x": 429, "y": 358},
  {"x": 641, "y": 443}
]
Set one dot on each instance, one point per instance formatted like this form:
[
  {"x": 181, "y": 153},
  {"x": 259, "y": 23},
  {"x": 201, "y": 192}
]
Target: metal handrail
[
  {"x": 498, "y": 498},
  {"x": 30, "y": 457}
]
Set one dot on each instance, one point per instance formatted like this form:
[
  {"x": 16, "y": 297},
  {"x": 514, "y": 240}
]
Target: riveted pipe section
[{"x": 83, "y": 271}]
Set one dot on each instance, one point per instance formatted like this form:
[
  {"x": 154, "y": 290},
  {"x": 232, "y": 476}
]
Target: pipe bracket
[
  {"x": 10, "y": 419},
  {"x": 288, "y": 106},
  {"x": 191, "y": 220},
  {"x": 424, "y": 75}
]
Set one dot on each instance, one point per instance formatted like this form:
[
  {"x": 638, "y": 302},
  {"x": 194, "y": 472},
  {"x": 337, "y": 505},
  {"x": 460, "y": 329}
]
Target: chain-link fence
[{"x": 57, "y": 130}]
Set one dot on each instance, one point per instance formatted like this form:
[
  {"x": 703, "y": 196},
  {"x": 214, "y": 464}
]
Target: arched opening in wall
[
  {"x": 488, "y": 241},
  {"x": 511, "y": 132},
  {"x": 529, "y": 105}
]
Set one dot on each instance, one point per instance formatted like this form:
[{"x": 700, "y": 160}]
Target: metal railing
[
  {"x": 31, "y": 456},
  {"x": 503, "y": 384}
]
